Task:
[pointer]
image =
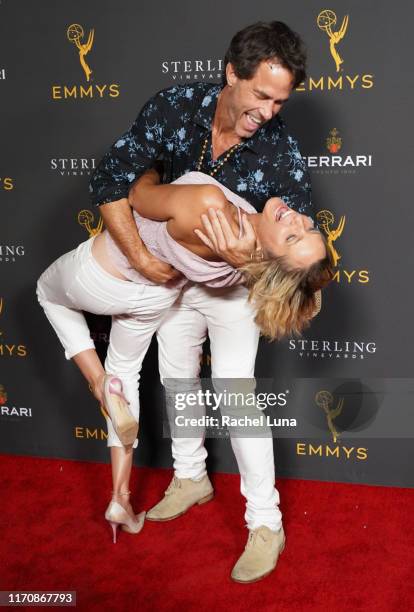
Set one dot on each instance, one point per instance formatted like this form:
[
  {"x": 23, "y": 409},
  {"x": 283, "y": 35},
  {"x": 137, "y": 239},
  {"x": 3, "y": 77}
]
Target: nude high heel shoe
[
  {"x": 117, "y": 516},
  {"x": 117, "y": 408}
]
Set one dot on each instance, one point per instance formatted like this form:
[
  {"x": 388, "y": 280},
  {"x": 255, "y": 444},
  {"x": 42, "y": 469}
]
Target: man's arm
[
  {"x": 121, "y": 225},
  {"x": 131, "y": 154},
  {"x": 127, "y": 159}
]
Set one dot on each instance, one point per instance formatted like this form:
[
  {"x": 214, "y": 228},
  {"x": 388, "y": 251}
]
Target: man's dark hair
[{"x": 262, "y": 41}]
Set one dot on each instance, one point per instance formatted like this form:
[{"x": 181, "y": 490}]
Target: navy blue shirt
[{"x": 172, "y": 127}]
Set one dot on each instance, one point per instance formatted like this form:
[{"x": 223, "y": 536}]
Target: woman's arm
[
  {"x": 186, "y": 207},
  {"x": 180, "y": 202}
]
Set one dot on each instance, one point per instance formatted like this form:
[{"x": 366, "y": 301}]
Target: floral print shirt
[{"x": 172, "y": 127}]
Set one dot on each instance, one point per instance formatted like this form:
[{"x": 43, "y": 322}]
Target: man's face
[{"x": 252, "y": 102}]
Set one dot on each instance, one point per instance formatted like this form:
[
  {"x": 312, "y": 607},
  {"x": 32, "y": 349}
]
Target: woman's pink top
[{"x": 158, "y": 241}]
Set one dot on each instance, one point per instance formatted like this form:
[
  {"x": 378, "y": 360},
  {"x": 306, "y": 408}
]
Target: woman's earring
[{"x": 257, "y": 255}]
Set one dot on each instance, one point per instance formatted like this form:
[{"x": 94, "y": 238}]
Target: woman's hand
[{"x": 219, "y": 237}]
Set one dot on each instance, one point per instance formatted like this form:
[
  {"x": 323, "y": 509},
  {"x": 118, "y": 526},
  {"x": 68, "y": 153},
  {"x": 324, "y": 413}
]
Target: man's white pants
[
  {"x": 228, "y": 318},
  {"x": 76, "y": 282}
]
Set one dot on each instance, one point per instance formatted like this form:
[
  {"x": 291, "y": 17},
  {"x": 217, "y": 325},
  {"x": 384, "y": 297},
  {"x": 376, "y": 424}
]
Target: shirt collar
[{"x": 205, "y": 113}]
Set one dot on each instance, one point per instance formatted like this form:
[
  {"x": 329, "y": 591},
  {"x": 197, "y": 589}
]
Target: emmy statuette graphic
[
  {"x": 324, "y": 399},
  {"x": 86, "y": 218},
  {"x": 326, "y": 21},
  {"x": 75, "y": 33},
  {"x": 325, "y": 220}
]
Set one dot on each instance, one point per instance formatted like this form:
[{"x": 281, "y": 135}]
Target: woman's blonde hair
[{"x": 284, "y": 298}]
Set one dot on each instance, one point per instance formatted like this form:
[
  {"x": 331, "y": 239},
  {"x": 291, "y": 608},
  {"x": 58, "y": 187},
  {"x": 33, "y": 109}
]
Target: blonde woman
[{"x": 289, "y": 261}]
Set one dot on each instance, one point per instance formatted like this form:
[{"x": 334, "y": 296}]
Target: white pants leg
[
  {"x": 180, "y": 341},
  {"x": 234, "y": 336},
  {"x": 76, "y": 282}
]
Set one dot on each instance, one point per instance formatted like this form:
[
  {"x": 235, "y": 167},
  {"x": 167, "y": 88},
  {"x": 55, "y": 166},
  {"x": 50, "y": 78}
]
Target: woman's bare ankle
[{"x": 123, "y": 500}]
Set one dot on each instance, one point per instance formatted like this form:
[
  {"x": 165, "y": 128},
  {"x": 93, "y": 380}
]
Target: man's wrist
[{"x": 137, "y": 257}]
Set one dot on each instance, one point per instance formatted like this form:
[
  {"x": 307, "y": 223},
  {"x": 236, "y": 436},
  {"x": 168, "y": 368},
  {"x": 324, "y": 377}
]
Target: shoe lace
[
  {"x": 253, "y": 535},
  {"x": 251, "y": 539},
  {"x": 174, "y": 484}
]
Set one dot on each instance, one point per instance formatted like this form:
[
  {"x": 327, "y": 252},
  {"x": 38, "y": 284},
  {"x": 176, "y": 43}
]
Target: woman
[{"x": 290, "y": 263}]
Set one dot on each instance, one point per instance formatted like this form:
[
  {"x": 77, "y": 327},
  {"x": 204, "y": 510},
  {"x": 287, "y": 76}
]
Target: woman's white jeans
[{"x": 76, "y": 282}]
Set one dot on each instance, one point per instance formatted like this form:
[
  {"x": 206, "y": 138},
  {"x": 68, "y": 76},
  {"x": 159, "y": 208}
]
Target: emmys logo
[
  {"x": 10, "y": 350},
  {"x": 11, "y": 411},
  {"x": 73, "y": 166},
  {"x": 193, "y": 70},
  {"x": 75, "y": 35},
  {"x": 1, "y": 310},
  {"x": 86, "y": 218},
  {"x": 326, "y": 22},
  {"x": 326, "y": 221},
  {"x": 337, "y": 164},
  {"x": 87, "y": 433},
  {"x": 325, "y": 400},
  {"x": 2, "y": 74},
  {"x": 8, "y": 253},
  {"x": 6, "y": 183}
]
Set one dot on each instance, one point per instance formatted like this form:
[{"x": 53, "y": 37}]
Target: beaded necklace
[{"x": 221, "y": 162}]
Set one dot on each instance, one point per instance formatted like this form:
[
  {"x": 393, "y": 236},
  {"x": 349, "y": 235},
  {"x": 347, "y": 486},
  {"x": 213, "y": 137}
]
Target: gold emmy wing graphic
[
  {"x": 86, "y": 218},
  {"x": 324, "y": 399},
  {"x": 75, "y": 33},
  {"x": 325, "y": 219},
  {"x": 326, "y": 21}
]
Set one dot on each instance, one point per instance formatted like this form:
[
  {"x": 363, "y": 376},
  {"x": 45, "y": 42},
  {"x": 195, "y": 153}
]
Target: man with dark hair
[
  {"x": 264, "y": 41},
  {"x": 234, "y": 133}
]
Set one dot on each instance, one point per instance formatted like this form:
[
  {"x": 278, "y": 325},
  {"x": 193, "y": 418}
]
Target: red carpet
[{"x": 348, "y": 547}]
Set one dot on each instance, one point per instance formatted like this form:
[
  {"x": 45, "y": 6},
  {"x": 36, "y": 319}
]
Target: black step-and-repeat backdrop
[{"x": 73, "y": 76}]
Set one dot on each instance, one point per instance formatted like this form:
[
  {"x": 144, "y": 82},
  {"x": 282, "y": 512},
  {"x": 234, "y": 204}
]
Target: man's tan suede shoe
[
  {"x": 260, "y": 555},
  {"x": 182, "y": 493}
]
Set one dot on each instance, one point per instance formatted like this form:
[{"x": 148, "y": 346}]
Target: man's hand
[
  {"x": 219, "y": 237},
  {"x": 154, "y": 269}
]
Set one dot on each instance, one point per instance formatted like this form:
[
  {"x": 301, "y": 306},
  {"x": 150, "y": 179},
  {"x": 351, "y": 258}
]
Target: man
[{"x": 234, "y": 133}]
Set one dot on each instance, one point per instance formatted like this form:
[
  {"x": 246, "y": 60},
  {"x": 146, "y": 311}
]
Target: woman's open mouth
[{"x": 282, "y": 211}]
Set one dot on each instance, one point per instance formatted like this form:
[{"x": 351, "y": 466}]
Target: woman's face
[{"x": 283, "y": 232}]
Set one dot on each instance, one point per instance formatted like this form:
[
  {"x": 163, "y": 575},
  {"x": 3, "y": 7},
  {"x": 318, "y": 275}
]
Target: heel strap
[{"x": 126, "y": 493}]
